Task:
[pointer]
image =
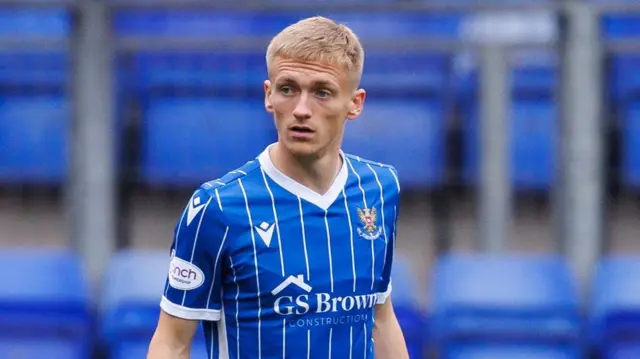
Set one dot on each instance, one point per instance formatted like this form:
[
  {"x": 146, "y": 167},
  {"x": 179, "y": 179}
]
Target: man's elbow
[{"x": 164, "y": 348}]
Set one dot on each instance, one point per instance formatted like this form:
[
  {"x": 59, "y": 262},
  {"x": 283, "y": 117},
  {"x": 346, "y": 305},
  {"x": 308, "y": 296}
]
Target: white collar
[{"x": 323, "y": 201}]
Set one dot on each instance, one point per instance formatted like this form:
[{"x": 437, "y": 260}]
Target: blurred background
[{"x": 514, "y": 125}]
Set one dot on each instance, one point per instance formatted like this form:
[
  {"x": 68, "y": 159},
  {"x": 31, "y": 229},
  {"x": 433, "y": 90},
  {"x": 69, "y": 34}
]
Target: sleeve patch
[{"x": 184, "y": 275}]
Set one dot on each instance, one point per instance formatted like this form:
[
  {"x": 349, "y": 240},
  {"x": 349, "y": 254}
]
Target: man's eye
[
  {"x": 323, "y": 93},
  {"x": 286, "y": 90}
]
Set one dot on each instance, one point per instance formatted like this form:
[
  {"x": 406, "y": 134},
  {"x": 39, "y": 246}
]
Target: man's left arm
[{"x": 388, "y": 338}]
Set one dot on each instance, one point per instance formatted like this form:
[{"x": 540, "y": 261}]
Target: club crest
[{"x": 369, "y": 229}]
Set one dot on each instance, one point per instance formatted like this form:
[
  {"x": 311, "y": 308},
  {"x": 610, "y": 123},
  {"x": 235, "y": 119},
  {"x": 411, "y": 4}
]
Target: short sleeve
[
  {"x": 384, "y": 291},
  {"x": 385, "y": 284},
  {"x": 193, "y": 286}
]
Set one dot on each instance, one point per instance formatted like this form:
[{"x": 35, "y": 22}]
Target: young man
[{"x": 290, "y": 255}]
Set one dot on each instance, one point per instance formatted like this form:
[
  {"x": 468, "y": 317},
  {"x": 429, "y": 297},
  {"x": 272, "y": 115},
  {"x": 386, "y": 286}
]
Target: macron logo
[
  {"x": 195, "y": 206},
  {"x": 297, "y": 280},
  {"x": 265, "y": 231}
]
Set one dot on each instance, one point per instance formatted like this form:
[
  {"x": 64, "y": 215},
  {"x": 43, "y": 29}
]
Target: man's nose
[{"x": 302, "y": 110}]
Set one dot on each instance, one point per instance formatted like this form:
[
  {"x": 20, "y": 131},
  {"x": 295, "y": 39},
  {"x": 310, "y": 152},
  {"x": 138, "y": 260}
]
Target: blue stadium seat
[
  {"x": 407, "y": 307},
  {"x": 615, "y": 307},
  {"x": 399, "y": 74},
  {"x": 239, "y": 71},
  {"x": 39, "y": 72},
  {"x": 624, "y": 351},
  {"x": 406, "y": 133},
  {"x": 245, "y": 70},
  {"x": 491, "y": 351},
  {"x": 380, "y": 25},
  {"x": 130, "y": 305},
  {"x": 34, "y": 138},
  {"x": 227, "y": 24},
  {"x": 44, "y": 305},
  {"x": 620, "y": 26},
  {"x": 35, "y": 22},
  {"x": 531, "y": 140},
  {"x": 199, "y": 24},
  {"x": 492, "y": 303},
  {"x": 186, "y": 141},
  {"x": 532, "y": 74},
  {"x": 623, "y": 78},
  {"x": 630, "y": 132}
]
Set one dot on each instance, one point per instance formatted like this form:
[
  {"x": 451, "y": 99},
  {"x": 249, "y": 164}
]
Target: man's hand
[{"x": 388, "y": 337}]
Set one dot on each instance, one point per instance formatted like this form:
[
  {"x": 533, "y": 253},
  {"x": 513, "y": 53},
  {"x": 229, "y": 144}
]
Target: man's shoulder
[
  {"x": 369, "y": 162},
  {"x": 233, "y": 191},
  {"x": 232, "y": 178},
  {"x": 368, "y": 169}
]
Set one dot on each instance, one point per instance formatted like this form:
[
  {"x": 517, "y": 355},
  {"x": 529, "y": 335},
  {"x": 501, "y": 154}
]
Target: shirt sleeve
[
  {"x": 193, "y": 287},
  {"x": 385, "y": 288}
]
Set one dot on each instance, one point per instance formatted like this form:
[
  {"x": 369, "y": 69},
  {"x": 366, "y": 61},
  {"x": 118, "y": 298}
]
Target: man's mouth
[{"x": 302, "y": 129}]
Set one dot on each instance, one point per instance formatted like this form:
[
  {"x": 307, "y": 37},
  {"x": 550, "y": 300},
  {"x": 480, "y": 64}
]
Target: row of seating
[
  {"x": 482, "y": 306},
  {"x": 173, "y": 21},
  {"x": 187, "y": 135},
  {"x": 184, "y": 141}
]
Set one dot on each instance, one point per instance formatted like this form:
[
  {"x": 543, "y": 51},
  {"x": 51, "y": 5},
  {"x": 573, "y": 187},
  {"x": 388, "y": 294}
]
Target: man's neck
[{"x": 317, "y": 174}]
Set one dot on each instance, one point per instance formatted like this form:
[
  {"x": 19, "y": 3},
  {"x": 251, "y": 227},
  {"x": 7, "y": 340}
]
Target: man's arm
[
  {"x": 193, "y": 289},
  {"x": 387, "y": 335},
  {"x": 172, "y": 338}
]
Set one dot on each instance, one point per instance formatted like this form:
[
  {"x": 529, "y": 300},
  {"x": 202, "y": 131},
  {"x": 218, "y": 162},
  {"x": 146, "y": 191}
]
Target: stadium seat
[
  {"x": 406, "y": 133},
  {"x": 532, "y": 74},
  {"x": 534, "y": 78},
  {"x": 132, "y": 289},
  {"x": 227, "y": 24},
  {"x": 34, "y": 114},
  {"x": 35, "y": 22},
  {"x": 624, "y": 86},
  {"x": 630, "y": 132},
  {"x": 615, "y": 307},
  {"x": 187, "y": 141},
  {"x": 199, "y": 23},
  {"x": 44, "y": 305},
  {"x": 504, "y": 306},
  {"x": 623, "y": 78},
  {"x": 404, "y": 74},
  {"x": 407, "y": 307},
  {"x": 531, "y": 140},
  {"x": 238, "y": 72},
  {"x": 34, "y": 72},
  {"x": 244, "y": 70},
  {"x": 489, "y": 351},
  {"x": 34, "y": 138}
]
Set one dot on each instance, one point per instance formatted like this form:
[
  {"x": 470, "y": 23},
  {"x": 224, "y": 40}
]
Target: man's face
[{"x": 311, "y": 102}]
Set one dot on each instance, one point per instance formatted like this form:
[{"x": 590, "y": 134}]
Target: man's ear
[
  {"x": 357, "y": 104},
  {"x": 267, "y": 96}
]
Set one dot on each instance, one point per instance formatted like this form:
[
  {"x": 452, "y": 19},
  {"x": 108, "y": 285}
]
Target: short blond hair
[{"x": 319, "y": 39}]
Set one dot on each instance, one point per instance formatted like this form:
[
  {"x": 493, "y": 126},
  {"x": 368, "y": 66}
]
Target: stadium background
[{"x": 514, "y": 125}]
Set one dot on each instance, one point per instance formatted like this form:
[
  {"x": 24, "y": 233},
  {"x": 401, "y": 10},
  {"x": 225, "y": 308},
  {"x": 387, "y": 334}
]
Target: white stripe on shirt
[{"x": 255, "y": 259}]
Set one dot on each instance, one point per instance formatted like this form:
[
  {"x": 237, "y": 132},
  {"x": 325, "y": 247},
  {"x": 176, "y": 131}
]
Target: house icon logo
[{"x": 292, "y": 280}]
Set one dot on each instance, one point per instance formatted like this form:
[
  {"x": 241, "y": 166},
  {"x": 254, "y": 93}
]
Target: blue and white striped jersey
[{"x": 276, "y": 270}]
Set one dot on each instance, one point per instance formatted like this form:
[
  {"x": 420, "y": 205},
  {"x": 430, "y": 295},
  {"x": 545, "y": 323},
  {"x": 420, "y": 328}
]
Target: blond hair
[{"x": 319, "y": 39}]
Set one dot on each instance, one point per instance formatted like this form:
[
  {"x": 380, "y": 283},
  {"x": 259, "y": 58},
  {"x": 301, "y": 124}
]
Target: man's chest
[{"x": 301, "y": 261}]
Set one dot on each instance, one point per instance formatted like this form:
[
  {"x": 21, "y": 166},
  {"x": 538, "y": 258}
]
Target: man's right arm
[
  {"x": 172, "y": 338},
  {"x": 193, "y": 291}
]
